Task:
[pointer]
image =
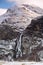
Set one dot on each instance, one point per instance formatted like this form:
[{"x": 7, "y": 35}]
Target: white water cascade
[{"x": 18, "y": 48}]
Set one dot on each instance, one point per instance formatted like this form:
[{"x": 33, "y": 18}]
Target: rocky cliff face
[
  {"x": 21, "y": 33},
  {"x": 33, "y": 36}
]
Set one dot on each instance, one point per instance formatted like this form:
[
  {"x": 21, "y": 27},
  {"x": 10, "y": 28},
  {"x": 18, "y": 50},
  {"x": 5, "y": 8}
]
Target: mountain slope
[{"x": 21, "y": 16}]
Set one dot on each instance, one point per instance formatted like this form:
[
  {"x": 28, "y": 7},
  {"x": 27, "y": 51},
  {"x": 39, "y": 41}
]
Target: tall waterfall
[{"x": 18, "y": 48}]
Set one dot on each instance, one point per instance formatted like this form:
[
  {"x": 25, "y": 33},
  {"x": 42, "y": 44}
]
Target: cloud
[
  {"x": 35, "y": 2},
  {"x": 19, "y": 1},
  {"x": 2, "y": 11}
]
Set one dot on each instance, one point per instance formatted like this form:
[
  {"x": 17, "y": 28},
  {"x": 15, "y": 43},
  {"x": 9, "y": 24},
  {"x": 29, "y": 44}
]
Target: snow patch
[
  {"x": 2, "y": 11},
  {"x": 23, "y": 63}
]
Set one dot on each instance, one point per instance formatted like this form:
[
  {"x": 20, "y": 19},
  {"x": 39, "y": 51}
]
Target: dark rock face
[
  {"x": 33, "y": 39},
  {"x": 38, "y": 24},
  {"x": 7, "y": 32}
]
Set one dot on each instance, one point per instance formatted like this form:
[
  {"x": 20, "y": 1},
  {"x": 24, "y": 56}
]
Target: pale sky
[{"x": 5, "y": 4}]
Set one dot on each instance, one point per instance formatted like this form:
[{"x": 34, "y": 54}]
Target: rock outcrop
[{"x": 7, "y": 32}]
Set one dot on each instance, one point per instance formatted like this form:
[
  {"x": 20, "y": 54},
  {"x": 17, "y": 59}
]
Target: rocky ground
[{"x": 21, "y": 34}]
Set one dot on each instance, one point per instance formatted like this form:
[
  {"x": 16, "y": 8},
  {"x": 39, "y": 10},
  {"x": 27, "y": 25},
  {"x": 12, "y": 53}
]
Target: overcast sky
[{"x": 5, "y": 4}]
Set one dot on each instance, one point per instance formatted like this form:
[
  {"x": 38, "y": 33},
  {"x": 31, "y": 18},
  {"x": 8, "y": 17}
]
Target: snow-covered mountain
[
  {"x": 2, "y": 11},
  {"x": 21, "y": 16}
]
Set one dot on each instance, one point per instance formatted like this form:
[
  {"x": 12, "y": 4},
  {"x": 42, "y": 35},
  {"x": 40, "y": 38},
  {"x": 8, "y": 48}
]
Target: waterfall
[
  {"x": 18, "y": 48},
  {"x": 11, "y": 48}
]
